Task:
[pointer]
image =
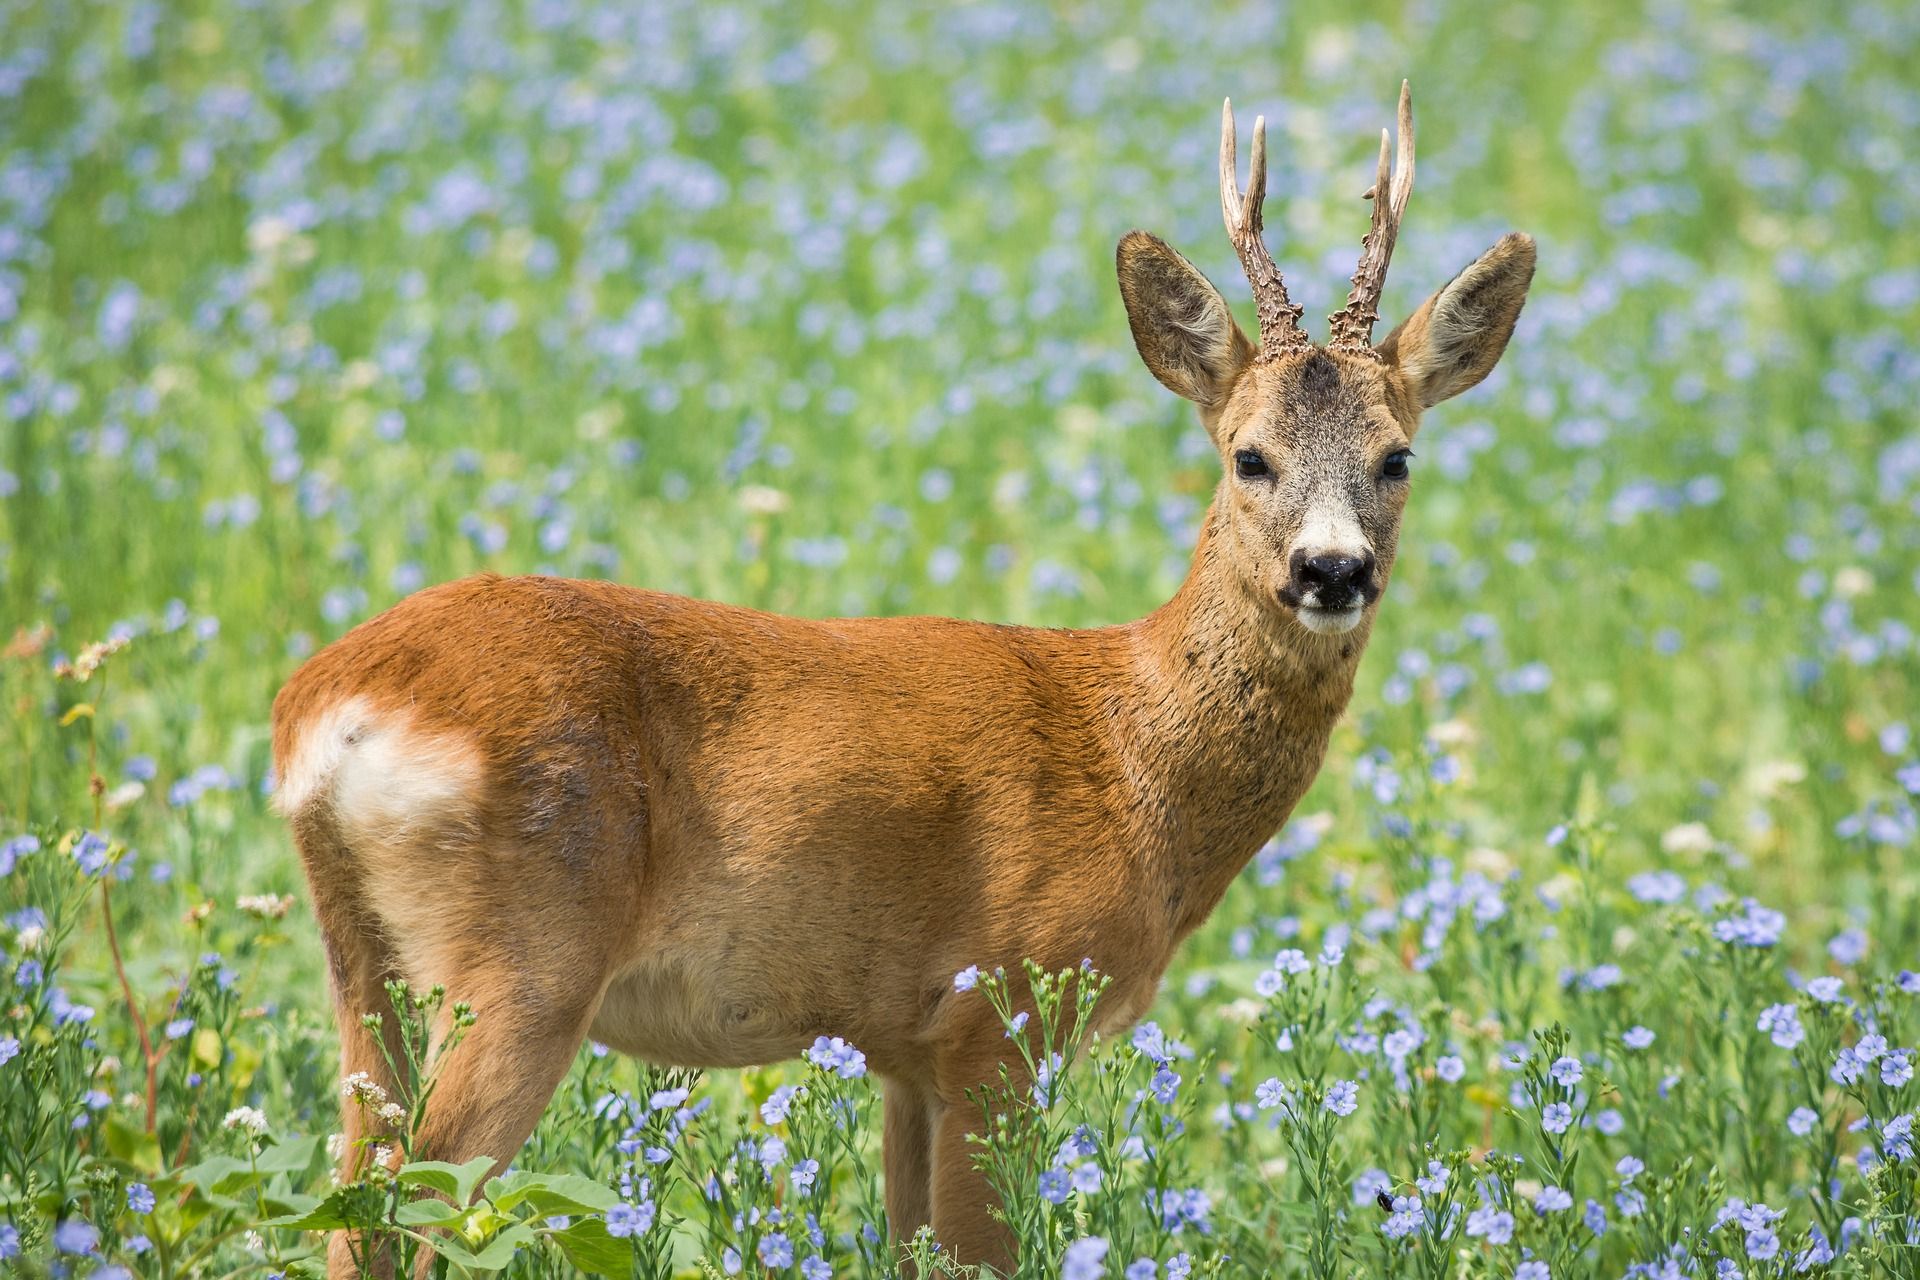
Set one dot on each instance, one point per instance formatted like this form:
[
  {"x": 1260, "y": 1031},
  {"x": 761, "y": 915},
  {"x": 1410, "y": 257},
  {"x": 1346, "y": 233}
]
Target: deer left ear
[{"x": 1457, "y": 335}]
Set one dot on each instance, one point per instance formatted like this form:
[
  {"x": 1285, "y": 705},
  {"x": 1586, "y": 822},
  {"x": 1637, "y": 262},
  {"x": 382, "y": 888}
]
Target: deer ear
[
  {"x": 1180, "y": 322},
  {"x": 1457, "y": 335}
]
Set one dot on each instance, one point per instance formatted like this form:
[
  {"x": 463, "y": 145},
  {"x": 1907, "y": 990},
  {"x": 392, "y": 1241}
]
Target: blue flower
[
  {"x": 9, "y": 1049},
  {"x": 1405, "y": 1218},
  {"x": 1896, "y": 1069},
  {"x": 1451, "y": 1068},
  {"x": 816, "y": 1268},
  {"x": 1781, "y": 1022},
  {"x": 775, "y": 1108},
  {"x": 1343, "y": 1097},
  {"x": 1054, "y": 1186},
  {"x": 1801, "y": 1122},
  {"x": 1533, "y": 1269},
  {"x": 803, "y": 1174},
  {"x": 967, "y": 979},
  {"x": 1085, "y": 1259},
  {"x": 15, "y": 849},
  {"x": 1493, "y": 1224},
  {"x": 90, "y": 852},
  {"x": 831, "y": 1053},
  {"x": 1165, "y": 1086},
  {"x": 1142, "y": 1269},
  {"x": 776, "y": 1250},
  {"x": 1555, "y": 1117},
  {"x": 1848, "y": 947},
  {"x": 1552, "y": 1200},
  {"x": 1847, "y": 1066},
  {"x": 1755, "y": 926},
  {"x": 1566, "y": 1072},
  {"x": 76, "y": 1236},
  {"x": 627, "y": 1220},
  {"x": 140, "y": 1197},
  {"x": 1896, "y": 1137},
  {"x": 1368, "y": 1186}
]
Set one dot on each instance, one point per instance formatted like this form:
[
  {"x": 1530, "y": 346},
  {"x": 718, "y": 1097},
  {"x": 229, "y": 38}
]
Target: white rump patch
[{"x": 381, "y": 776}]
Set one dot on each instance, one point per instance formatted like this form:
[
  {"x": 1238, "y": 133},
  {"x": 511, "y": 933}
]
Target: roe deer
[{"x": 705, "y": 835}]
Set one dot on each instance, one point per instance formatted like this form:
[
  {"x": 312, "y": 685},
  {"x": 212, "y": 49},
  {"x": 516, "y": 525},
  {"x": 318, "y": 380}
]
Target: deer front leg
[
  {"x": 962, "y": 1197},
  {"x": 907, "y": 1152}
]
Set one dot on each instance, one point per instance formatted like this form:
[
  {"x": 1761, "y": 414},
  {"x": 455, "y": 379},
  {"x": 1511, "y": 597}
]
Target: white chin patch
[{"x": 1329, "y": 622}]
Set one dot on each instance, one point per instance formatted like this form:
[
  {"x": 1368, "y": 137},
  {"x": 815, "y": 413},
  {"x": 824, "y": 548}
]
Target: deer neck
[{"x": 1237, "y": 704}]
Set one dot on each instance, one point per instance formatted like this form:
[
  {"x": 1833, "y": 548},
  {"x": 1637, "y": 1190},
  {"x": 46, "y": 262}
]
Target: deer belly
[{"x": 684, "y": 1011}]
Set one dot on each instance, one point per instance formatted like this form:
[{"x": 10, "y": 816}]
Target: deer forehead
[{"x": 1322, "y": 405}]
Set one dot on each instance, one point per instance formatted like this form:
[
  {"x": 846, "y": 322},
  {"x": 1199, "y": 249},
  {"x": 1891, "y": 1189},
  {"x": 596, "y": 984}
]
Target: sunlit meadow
[{"x": 1588, "y": 954}]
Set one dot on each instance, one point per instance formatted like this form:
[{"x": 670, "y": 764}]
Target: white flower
[
  {"x": 762, "y": 500},
  {"x": 363, "y": 1089},
  {"x": 265, "y": 906},
  {"x": 251, "y": 1119},
  {"x": 1688, "y": 837}
]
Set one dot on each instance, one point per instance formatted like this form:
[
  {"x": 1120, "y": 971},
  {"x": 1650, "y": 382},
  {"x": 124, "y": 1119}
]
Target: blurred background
[{"x": 811, "y": 307}]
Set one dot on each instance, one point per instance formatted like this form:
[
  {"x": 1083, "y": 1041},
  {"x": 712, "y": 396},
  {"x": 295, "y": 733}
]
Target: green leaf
[
  {"x": 290, "y": 1203},
  {"x": 428, "y": 1212},
  {"x": 590, "y": 1247},
  {"x": 216, "y": 1177},
  {"x": 550, "y": 1193},
  {"x": 131, "y": 1143},
  {"x": 494, "y": 1255},
  {"x": 325, "y": 1215},
  {"x": 455, "y": 1181},
  {"x": 289, "y": 1155}
]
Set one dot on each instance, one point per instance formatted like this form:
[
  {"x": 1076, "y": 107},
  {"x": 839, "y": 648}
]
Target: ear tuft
[
  {"x": 1181, "y": 324},
  {"x": 1458, "y": 335}
]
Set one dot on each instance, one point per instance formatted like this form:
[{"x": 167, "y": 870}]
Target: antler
[
  {"x": 1280, "y": 331},
  {"x": 1352, "y": 325}
]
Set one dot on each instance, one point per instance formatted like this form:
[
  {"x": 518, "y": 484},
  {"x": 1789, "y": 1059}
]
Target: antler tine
[
  {"x": 1352, "y": 325},
  {"x": 1280, "y": 331}
]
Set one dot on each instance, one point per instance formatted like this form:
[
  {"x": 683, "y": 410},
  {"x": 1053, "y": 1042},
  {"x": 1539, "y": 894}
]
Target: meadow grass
[{"x": 1587, "y": 953}]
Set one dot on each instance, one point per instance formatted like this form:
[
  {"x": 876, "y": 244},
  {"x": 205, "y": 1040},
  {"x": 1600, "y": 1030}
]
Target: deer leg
[
  {"x": 962, "y": 1196},
  {"x": 907, "y": 1153},
  {"x": 360, "y": 969},
  {"x": 490, "y": 1088}
]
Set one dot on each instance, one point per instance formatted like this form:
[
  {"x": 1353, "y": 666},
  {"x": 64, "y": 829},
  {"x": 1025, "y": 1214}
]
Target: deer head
[{"x": 1316, "y": 441}]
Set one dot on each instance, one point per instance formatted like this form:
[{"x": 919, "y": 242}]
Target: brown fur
[{"x": 705, "y": 835}]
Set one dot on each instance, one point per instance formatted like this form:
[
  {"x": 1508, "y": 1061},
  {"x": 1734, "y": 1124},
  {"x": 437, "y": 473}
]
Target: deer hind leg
[
  {"x": 533, "y": 981},
  {"x": 359, "y": 965}
]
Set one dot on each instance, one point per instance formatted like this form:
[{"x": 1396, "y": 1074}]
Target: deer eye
[
  {"x": 1395, "y": 465},
  {"x": 1247, "y": 464}
]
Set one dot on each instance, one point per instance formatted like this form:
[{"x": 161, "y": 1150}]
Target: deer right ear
[{"x": 1180, "y": 323}]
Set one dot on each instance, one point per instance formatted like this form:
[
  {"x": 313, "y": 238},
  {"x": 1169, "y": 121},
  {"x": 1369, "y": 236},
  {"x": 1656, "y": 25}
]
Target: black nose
[{"x": 1334, "y": 578}]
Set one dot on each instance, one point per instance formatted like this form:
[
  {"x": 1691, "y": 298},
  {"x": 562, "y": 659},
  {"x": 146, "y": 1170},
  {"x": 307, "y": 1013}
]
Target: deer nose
[{"x": 1333, "y": 578}]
